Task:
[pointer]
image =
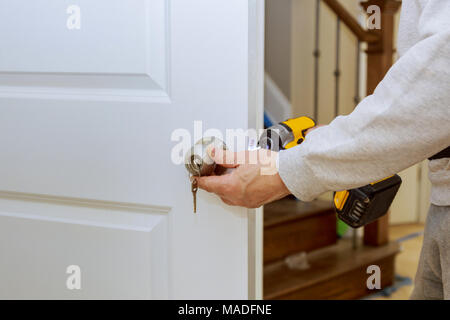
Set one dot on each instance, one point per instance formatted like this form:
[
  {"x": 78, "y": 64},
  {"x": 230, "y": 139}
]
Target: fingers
[
  {"x": 226, "y": 158},
  {"x": 230, "y": 159},
  {"x": 217, "y": 185},
  {"x": 227, "y": 202},
  {"x": 214, "y": 184}
]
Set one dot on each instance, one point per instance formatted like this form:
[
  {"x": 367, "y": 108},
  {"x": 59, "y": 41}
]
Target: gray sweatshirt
[{"x": 406, "y": 120}]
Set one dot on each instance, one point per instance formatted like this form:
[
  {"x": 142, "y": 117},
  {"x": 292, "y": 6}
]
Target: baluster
[
  {"x": 316, "y": 54},
  {"x": 337, "y": 71},
  {"x": 357, "y": 97}
]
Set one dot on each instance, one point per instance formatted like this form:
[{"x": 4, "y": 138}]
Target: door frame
[{"x": 256, "y": 35}]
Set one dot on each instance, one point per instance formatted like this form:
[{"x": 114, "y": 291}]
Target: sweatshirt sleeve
[{"x": 406, "y": 120}]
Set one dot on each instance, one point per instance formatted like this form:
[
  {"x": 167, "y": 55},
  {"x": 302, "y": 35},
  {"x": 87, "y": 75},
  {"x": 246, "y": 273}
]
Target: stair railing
[{"x": 380, "y": 51}]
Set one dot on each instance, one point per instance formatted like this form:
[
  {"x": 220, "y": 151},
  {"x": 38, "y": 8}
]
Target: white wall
[{"x": 278, "y": 43}]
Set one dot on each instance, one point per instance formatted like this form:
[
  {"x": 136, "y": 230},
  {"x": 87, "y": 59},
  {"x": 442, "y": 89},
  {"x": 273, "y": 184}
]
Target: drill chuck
[{"x": 276, "y": 137}]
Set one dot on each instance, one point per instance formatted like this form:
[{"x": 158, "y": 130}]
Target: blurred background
[{"x": 318, "y": 63}]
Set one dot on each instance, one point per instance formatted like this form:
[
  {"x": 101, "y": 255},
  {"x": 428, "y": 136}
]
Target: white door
[{"x": 90, "y": 93}]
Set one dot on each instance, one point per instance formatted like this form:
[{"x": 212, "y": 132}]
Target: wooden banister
[
  {"x": 379, "y": 61},
  {"x": 380, "y": 52},
  {"x": 362, "y": 34}
]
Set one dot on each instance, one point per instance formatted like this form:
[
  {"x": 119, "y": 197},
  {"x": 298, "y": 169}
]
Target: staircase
[
  {"x": 291, "y": 227},
  {"x": 335, "y": 270}
]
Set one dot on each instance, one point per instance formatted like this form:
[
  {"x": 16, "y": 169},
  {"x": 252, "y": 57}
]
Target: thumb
[{"x": 226, "y": 158}]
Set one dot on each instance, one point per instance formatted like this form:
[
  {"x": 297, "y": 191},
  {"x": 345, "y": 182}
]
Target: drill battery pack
[{"x": 361, "y": 206}]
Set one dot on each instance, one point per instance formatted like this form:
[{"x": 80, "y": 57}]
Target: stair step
[
  {"x": 335, "y": 272},
  {"x": 292, "y": 226}
]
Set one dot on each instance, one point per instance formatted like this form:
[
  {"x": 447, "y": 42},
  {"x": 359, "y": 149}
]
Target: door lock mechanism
[{"x": 197, "y": 160}]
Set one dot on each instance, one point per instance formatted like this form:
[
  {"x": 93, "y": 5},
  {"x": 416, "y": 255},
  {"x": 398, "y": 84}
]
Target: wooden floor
[{"x": 408, "y": 259}]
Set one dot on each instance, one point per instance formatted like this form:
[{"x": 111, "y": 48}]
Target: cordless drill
[{"x": 356, "y": 207}]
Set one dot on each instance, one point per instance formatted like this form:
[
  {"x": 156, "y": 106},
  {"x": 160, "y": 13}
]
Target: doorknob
[{"x": 197, "y": 160}]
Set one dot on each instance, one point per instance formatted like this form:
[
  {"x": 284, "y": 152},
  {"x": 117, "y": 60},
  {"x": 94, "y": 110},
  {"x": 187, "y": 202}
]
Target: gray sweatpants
[{"x": 433, "y": 275}]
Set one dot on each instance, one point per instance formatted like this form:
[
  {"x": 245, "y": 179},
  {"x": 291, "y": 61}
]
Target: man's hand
[{"x": 253, "y": 182}]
